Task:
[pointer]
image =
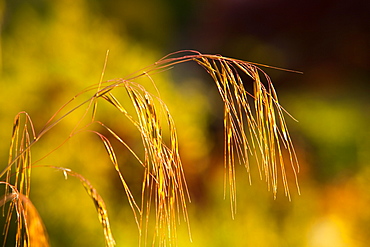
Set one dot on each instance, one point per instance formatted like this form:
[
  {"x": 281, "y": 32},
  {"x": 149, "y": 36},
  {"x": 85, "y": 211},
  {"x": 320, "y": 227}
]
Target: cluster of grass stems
[{"x": 254, "y": 126}]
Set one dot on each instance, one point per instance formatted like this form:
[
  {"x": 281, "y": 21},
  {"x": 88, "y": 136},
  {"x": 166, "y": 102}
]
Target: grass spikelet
[
  {"x": 19, "y": 155},
  {"x": 98, "y": 202},
  {"x": 17, "y": 187}
]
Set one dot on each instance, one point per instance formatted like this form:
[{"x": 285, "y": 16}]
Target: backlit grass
[{"x": 254, "y": 127}]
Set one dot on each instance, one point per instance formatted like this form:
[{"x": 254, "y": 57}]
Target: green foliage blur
[{"x": 52, "y": 50}]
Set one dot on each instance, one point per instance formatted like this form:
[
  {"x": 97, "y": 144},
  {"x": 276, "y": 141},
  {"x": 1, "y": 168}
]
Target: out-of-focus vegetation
[{"x": 51, "y": 50}]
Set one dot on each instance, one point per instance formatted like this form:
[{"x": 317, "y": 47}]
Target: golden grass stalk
[{"x": 254, "y": 125}]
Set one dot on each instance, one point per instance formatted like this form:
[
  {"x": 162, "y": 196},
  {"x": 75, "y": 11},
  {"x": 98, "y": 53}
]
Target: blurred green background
[{"x": 51, "y": 50}]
